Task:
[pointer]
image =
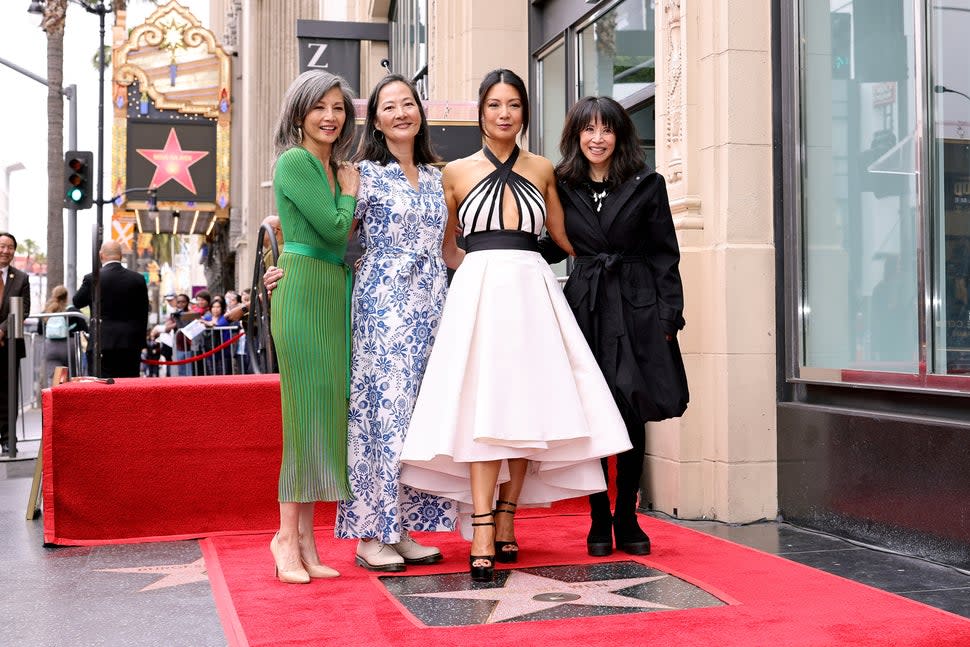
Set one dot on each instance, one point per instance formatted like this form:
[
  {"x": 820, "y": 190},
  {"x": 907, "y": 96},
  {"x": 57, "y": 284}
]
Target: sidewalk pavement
[
  {"x": 154, "y": 594},
  {"x": 29, "y": 427}
]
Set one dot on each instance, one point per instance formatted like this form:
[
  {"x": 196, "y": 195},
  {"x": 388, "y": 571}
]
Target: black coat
[
  {"x": 17, "y": 285},
  {"x": 626, "y": 292},
  {"x": 124, "y": 306}
]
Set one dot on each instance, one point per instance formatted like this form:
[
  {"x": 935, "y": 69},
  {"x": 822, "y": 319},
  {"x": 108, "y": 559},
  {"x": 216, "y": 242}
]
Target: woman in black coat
[{"x": 625, "y": 291}]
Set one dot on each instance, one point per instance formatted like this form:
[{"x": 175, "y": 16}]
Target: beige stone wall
[
  {"x": 266, "y": 65},
  {"x": 468, "y": 39},
  {"x": 714, "y": 148}
]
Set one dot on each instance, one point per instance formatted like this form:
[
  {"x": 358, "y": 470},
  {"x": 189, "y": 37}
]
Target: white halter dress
[{"x": 510, "y": 374}]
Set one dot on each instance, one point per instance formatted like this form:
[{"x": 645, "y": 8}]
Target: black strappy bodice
[{"x": 482, "y": 210}]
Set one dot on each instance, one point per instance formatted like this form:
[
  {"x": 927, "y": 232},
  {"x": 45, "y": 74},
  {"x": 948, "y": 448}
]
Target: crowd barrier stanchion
[
  {"x": 15, "y": 334},
  {"x": 202, "y": 356}
]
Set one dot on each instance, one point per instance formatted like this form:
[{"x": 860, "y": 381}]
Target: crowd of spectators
[{"x": 191, "y": 327}]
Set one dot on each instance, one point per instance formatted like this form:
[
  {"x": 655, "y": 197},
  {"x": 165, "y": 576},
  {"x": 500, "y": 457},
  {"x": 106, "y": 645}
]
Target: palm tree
[
  {"x": 30, "y": 248},
  {"x": 53, "y": 24},
  {"x": 55, "y": 12}
]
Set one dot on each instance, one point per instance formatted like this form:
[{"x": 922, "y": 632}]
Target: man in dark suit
[
  {"x": 124, "y": 313},
  {"x": 13, "y": 283}
]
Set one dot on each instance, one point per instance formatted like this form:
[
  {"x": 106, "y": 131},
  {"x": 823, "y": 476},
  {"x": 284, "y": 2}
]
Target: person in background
[
  {"x": 153, "y": 351},
  {"x": 200, "y": 306},
  {"x": 56, "y": 331},
  {"x": 124, "y": 312},
  {"x": 13, "y": 283},
  {"x": 625, "y": 292},
  {"x": 182, "y": 345},
  {"x": 221, "y": 362},
  {"x": 315, "y": 190}
]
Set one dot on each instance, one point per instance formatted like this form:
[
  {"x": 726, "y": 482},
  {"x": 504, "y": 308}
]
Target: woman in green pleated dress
[{"x": 315, "y": 197}]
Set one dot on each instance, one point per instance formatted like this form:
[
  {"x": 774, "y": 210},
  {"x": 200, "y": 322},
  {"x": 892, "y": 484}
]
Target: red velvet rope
[{"x": 159, "y": 362}]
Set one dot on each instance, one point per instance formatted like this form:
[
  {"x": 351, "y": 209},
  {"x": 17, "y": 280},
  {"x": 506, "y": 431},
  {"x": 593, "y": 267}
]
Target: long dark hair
[
  {"x": 374, "y": 149},
  {"x": 627, "y": 158},
  {"x": 492, "y": 79}
]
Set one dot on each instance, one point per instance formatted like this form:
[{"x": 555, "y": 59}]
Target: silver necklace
[{"x": 598, "y": 196}]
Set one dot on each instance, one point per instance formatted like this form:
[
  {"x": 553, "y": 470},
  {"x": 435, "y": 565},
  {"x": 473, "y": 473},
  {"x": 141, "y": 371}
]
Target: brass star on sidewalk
[
  {"x": 524, "y": 593},
  {"x": 174, "y": 574}
]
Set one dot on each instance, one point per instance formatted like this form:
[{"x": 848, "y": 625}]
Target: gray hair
[{"x": 302, "y": 95}]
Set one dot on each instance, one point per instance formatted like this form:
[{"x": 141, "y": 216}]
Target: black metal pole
[{"x": 101, "y": 10}]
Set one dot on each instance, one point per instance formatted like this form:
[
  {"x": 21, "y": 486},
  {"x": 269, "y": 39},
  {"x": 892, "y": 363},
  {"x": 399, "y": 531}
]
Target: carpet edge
[{"x": 231, "y": 624}]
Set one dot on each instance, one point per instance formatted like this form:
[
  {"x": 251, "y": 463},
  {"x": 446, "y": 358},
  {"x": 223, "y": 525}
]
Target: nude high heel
[
  {"x": 316, "y": 571},
  {"x": 294, "y": 576}
]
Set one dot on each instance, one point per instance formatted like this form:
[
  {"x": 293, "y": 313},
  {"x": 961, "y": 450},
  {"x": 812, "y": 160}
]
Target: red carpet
[{"x": 770, "y": 601}]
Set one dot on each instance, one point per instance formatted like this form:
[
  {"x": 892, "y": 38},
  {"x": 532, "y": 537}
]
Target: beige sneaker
[
  {"x": 376, "y": 556},
  {"x": 415, "y": 553}
]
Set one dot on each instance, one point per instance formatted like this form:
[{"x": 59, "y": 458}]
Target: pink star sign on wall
[{"x": 172, "y": 163}]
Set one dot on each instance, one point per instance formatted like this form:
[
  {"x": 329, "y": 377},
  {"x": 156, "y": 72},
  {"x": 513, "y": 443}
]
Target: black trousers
[
  {"x": 5, "y": 406},
  {"x": 121, "y": 362},
  {"x": 629, "y": 469}
]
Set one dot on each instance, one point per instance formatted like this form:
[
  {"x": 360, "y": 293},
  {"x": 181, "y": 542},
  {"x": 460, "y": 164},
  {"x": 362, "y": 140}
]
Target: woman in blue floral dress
[{"x": 398, "y": 297}]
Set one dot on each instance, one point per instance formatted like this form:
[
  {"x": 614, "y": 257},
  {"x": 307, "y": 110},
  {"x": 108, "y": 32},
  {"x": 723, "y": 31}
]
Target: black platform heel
[
  {"x": 482, "y": 567},
  {"x": 506, "y": 552}
]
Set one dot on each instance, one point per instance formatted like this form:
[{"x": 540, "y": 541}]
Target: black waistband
[
  {"x": 609, "y": 259},
  {"x": 501, "y": 239}
]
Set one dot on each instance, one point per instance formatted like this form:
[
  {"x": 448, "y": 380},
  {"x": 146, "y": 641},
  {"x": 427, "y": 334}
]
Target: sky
[{"x": 23, "y": 110}]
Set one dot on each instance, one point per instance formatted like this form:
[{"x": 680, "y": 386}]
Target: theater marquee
[{"x": 171, "y": 132}]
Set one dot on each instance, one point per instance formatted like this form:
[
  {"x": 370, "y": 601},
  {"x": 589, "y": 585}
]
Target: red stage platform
[
  {"x": 154, "y": 459},
  {"x": 150, "y": 459}
]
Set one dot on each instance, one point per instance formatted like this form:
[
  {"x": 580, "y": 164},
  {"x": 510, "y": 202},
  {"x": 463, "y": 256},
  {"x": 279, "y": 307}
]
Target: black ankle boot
[
  {"x": 630, "y": 538},
  {"x": 599, "y": 541}
]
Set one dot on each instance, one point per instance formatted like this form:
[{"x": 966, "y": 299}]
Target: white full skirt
[{"x": 511, "y": 376}]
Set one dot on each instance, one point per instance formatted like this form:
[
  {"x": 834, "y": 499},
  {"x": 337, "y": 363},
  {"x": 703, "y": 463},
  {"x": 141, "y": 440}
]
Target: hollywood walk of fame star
[
  {"x": 171, "y": 162},
  {"x": 174, "y": 574},
  {"x": 524, "y": 593}
]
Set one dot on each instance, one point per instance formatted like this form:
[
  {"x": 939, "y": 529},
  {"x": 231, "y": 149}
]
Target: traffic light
[
  {"x": 78, "y": 173},
  {"x": 841, "y": 45}
]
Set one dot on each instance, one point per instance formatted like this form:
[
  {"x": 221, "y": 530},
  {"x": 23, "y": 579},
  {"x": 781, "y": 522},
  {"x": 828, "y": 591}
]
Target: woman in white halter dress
[{"x": 510, "y": 375}]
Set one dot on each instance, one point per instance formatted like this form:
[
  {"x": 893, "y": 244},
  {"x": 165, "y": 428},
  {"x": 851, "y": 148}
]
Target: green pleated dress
[{"x": 309, "y": 326}]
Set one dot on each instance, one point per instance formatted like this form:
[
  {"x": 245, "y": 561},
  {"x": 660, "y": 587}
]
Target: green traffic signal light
[{"x": 77, "y": 179}]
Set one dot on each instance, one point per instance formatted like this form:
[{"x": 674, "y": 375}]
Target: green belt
[{"x": 324, "y": 255}]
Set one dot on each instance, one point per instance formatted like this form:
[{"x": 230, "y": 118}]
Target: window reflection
[
  {"x": 552, "y": 101},
  {"x": 859, "y": 308},
  {"x": 617, "y": 51},
  {"x": 409, "y": 41},
  {"x": 950, "y": 100}
]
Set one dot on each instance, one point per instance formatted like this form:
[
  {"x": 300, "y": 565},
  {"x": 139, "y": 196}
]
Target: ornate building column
[{"x": 714, "y": 147}]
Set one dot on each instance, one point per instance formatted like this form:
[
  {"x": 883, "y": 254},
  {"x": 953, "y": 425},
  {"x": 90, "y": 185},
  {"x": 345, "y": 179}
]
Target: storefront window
[
  {"x": 409, "y": 40},
  {"x": 858, "y": 309},
  {"x": 949, "y": 25},
  {"x": 552, "y": 100},
  {"x": 617, "y": 51},
  {"x": 551, "y": 77},
  {"x": 644, "y": 119}
]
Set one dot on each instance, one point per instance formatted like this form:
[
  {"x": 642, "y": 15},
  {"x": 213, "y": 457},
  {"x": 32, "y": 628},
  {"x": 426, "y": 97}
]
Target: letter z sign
[{"x": 335, "y": 55}]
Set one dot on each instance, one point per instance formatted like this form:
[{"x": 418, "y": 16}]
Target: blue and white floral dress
[{"x": 398, "y": 298}]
